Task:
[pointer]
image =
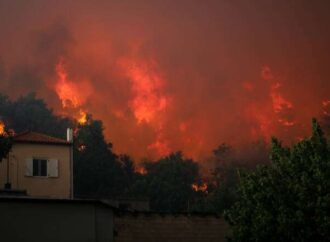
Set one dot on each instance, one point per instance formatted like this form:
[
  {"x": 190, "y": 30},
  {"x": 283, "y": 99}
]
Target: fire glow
[
  {"x": 71, "y": 95},
  {"x": 2, "y": 128},
  {"x": 199, "y": 188},
  {"x": 146, "y": 86},
  {"x": 188, "y": 79}
]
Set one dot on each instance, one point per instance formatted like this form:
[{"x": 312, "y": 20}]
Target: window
[{"x": 39, "y": 167}]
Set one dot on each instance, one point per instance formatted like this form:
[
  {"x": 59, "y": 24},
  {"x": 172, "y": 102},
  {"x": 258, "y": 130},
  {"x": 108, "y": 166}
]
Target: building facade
[{"x": 40, "y": 165}]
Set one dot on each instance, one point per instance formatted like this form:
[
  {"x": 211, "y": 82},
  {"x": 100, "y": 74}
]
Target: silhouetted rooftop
[{"x": 38, "y": 138}]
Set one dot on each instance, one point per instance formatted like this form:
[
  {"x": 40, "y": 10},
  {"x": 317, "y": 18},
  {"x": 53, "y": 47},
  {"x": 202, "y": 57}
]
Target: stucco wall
[
  {"x": 55, "y": 222},
  {"x": 151, "y": 227},
  {"x": 58, "y": 187}
]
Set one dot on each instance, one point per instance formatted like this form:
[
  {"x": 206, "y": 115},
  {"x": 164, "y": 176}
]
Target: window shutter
[
  {"x": 52, "y": 168},
  {"x": 29, "y": 167}
]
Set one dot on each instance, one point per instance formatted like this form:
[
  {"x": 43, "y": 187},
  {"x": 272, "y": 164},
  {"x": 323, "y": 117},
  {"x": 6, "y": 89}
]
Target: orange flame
[
  {"x": 326, "y": 105},
  {"x": 81, "y": 147},
  {"x": 279, "y": 102},
  {"x": 2, "y": 128},
  {"x": 147, "y": 96},
  {"x": 82, "y": 119},
  {"x": 199, "y": 188},
  {"x": 66, "y": 90},
  {"x": 148, "y": 100},
  {"x": 160, "y": 146},
  {"x": 141, "y": 170},
  {"x": 71, "y": 94}
]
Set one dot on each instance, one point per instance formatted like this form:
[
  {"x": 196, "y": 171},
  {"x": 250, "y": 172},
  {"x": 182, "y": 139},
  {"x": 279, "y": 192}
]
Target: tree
[
  {"x": 31, "y": 113},
  {"x": 288, "y": 200},
  {"x": 168, "y": 183},
  {"x": 227, "y": 162},
  {"x": 5, "y": 145},
  {"x": 97, "y": 170}
]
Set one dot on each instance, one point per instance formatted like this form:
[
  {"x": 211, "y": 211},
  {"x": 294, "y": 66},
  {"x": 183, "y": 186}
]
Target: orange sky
[{"x": 172, "y": 75}]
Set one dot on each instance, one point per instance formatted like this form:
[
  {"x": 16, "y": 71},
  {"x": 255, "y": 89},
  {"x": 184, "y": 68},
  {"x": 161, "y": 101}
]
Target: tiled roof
[{"x": 34, "y": 137}]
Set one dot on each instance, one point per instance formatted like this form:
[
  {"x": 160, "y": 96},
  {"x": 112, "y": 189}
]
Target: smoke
[{"x": 169, "y": 75}]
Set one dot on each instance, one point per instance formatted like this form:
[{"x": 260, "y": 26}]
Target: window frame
[{"x": 40, "y": 166}]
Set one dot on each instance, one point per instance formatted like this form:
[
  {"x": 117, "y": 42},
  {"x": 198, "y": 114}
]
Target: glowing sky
[{"x": 172, "y": 75}]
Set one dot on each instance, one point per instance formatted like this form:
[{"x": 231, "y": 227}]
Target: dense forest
[{"x": 173, "y": 183}]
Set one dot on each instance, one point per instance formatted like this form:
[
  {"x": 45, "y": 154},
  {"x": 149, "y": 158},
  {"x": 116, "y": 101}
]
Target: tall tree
[
  {"x": 97, "y": 171},
  {"x": 168, "y": 183},
  {"x": 31, "y": 113},
  {"x": 288, "y": 200},
  {"x": 5, "y": 145}
]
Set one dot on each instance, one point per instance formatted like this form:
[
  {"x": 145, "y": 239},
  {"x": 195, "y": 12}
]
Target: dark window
[{"x": 39, "y": 167}]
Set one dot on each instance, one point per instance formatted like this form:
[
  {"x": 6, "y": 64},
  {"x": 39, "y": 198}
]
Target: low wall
[
  {"x": 156, "y": 227},
  {"x": 40, "y": 220}
]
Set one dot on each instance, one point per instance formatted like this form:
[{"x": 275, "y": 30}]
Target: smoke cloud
[{"x": 172, "y": 75}]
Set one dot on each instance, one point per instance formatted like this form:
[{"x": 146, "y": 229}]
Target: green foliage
[
  {"x": 97, "y": 171},
  {"x": 5, "y": 146},
  {"x": 289, "y": 200},
  {"x": 30, "y": 113},
  {"x": 168, "y": 182},
  {"x": 227, "y": 164}
]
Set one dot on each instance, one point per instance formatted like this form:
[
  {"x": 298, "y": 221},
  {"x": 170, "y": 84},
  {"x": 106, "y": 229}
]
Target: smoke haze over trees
[
  {"x": 172, "y": 183},
  {"x": 168, "y": 75}
]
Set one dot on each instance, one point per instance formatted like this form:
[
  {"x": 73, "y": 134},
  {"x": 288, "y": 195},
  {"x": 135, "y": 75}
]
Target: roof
[
  {"x": 38, "y": 138},
  {"x": 27, "y": 199}
]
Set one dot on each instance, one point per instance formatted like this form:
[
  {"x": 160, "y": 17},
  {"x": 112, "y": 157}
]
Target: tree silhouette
[{"x": 288, "y": 200}]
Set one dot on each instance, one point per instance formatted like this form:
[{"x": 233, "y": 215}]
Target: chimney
[{"x": 69, "y": 135}]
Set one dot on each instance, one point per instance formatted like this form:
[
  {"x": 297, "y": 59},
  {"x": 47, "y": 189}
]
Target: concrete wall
[
  {"x": 55, "y": 221},
  {"x": 47, "y": 187},
  {"x": 152, "y": 227}
]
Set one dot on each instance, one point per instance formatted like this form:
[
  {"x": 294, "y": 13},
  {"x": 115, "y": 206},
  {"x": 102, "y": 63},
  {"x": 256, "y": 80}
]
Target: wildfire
[
  {"x": 81, "y": 147},
  {"x": 141, "y": 170},
  {"x": 82, "y": 119},
  {"x": 326, "y": 105},
  {"x": 160, "y": 146},
  {"x": 72, "y": 94},
  {"x": 2, "y": 128},
  {"x": 199, "y": 188},
  {"x": 148, "y": 98},
  {"x": 65, "y": 89},
  {"x": 279, "y": 102}
]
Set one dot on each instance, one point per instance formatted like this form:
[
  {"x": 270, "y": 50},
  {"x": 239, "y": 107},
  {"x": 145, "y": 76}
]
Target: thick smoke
[{"x": 173, "y": 75}]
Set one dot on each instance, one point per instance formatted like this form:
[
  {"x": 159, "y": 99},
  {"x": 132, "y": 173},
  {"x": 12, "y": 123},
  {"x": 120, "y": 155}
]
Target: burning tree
[
  {"x": 5, "y": 142},
  {"x": 288, "y": 200}
]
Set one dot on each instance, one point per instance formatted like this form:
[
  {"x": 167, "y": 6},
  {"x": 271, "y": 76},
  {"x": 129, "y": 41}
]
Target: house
[{"x": 39, "y": 165}]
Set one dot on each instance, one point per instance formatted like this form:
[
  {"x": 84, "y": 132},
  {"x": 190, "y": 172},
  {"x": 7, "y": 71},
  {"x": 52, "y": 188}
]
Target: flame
[
  {"x": 141, "y": 170},
  {"x": 326, "y": 103},
  {"x": 65, "y": 89},
  {"x": 72, "y": 95},
  {"x": 268, "y": 114},
  {"x": 161, "y": 147},
  {"x": 279, "y": 102},
  {"x": 82, "y": 119},
  {"x": 148, "y": 99},
  {"x": 326, "y": 106},
  {"x": 263, "y": 121},
  {"x": 2, "y": 128},
  {"x": 199, "y": 188},
  {"x": 81, "y": 147}
]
